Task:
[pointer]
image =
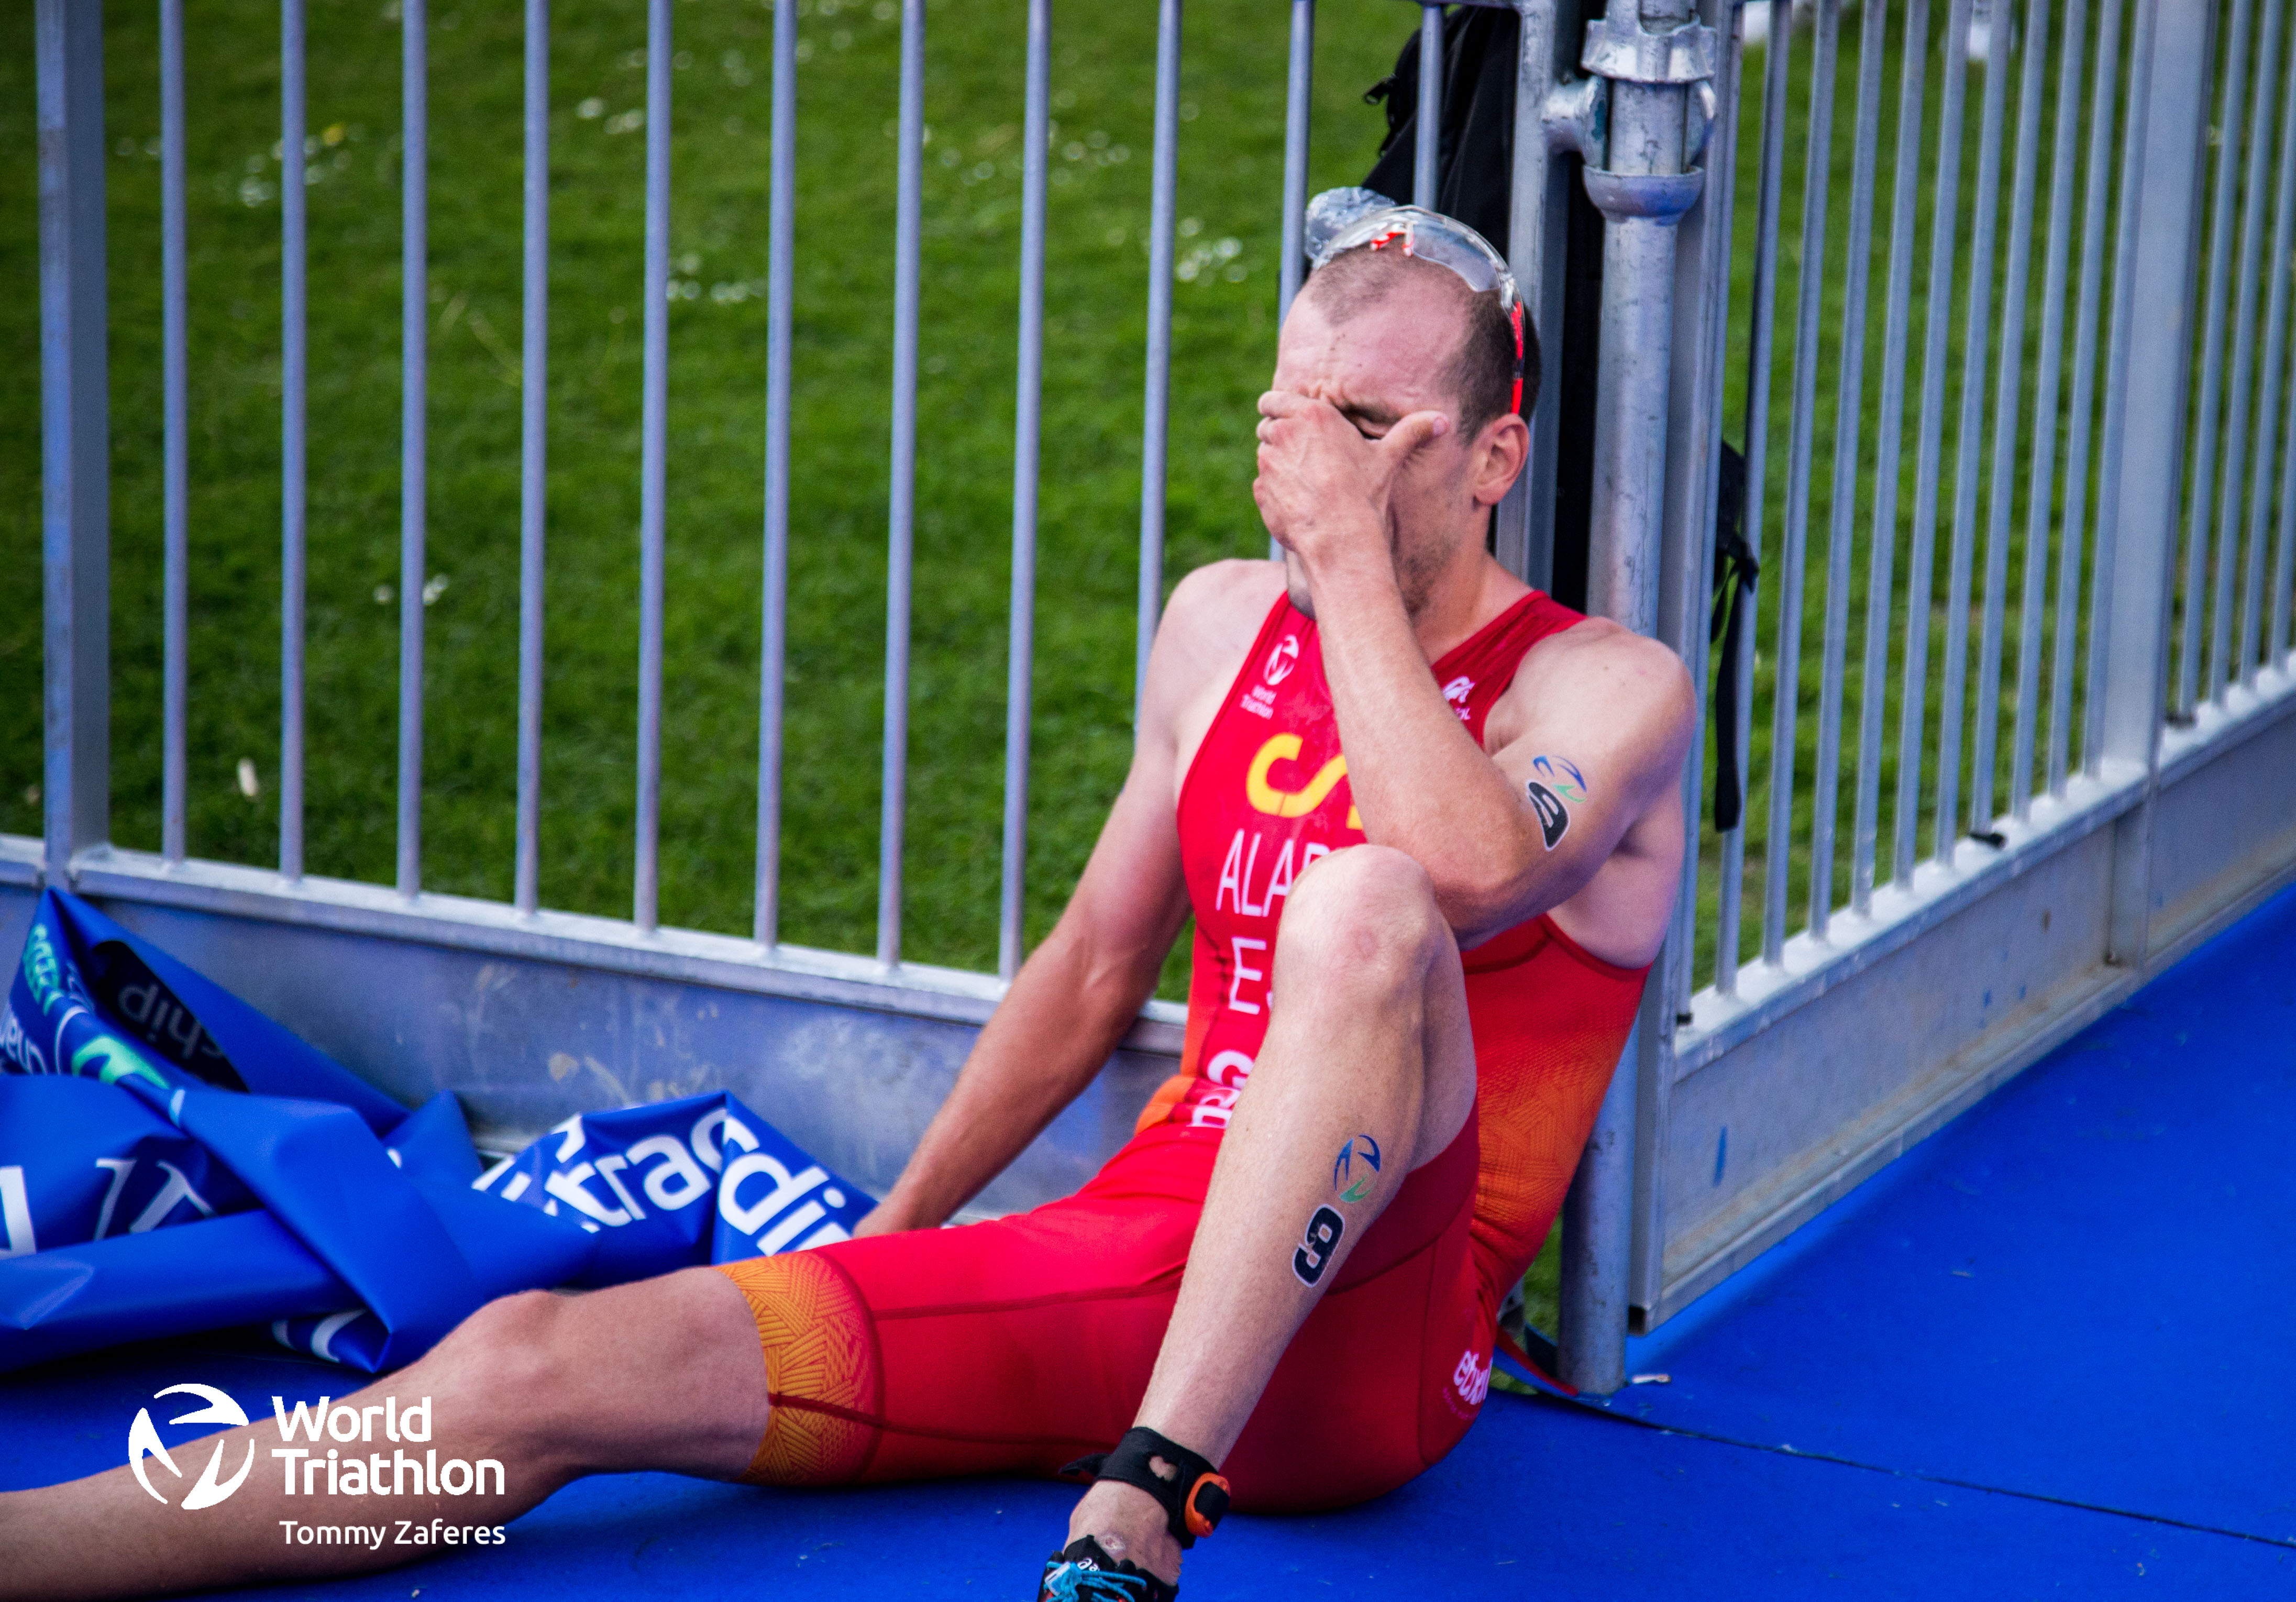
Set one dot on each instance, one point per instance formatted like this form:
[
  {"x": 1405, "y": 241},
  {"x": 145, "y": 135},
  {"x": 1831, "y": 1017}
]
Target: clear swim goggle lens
[{"x": 1340, "y": 221}]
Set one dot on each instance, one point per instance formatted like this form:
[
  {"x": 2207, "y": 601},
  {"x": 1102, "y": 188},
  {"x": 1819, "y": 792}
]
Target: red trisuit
[{"x": 1016, "y": 1345}]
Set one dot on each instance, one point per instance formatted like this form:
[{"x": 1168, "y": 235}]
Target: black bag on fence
[
  {"x": 1475, "y": 148},
  {"x": 1474, "y": 171}
]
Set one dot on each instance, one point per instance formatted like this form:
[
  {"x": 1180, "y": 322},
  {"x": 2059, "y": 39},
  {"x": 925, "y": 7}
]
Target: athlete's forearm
[
  {"x": 1062, "y": 1017},
  {"x": 1417, "y": 777}
]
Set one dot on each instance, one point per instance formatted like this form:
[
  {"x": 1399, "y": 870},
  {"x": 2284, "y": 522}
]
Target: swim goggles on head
[{"x": 1340, "y": 221}]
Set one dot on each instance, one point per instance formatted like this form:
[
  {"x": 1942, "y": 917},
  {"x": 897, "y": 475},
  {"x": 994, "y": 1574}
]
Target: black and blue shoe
[{"x": 1083, "y": 1572}]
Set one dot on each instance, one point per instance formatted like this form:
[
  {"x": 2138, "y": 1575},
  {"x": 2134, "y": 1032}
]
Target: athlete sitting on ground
[{"x": 1415, "y": 968}]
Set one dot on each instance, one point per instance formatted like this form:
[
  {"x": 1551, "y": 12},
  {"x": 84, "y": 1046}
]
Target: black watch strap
[{"x": 1195, "y": 1496}]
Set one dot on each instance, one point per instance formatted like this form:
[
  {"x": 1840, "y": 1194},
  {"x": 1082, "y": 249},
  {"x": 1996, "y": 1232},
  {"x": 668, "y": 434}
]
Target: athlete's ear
[{"x": 1499, "y": 456}]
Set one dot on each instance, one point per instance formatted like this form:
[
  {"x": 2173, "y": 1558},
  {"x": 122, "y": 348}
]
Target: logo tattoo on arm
[{"x": 1562, "y": 783}]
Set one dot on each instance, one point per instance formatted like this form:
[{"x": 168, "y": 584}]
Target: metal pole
[
  {"x": 2041, "y": 484},
  {"x": 1155, "y": 412},
  {"x": 1921, "y": 569},
  {"x": 653, "y": 450},
  {"x": 2222, "y": 667},
  {"x": 1010, "y": 932},
  {"x": 175, "y": 407},
  {"x": 414, "y": 391},
  {"x": 293, "y": 370},
  {"x": 2009, "y": 388},
  {"x": 1653, "y": 72},
  {"x": 1873, "y": 690},
  {"x": 74, "y": 426},
  {"x": 1850, "y": 401},
  {"x": 1299, "y": 108},
  {"x": 1976, "y": 339},
  {"x": 1761, "y": 336},
  {"x": 2120, "y": 342},
  {"x": 1535, "y": 204},
  {"x": 2147, "y": 459},
  {"x": 2094, "y": 202},
  {"x": 781, "y": 257},
  {"x": 1427, "y": 120},
  {"x": 1697, "y": 390},
  {"x": 2259, "y": 494},
  {"x": 1790, "y": 569},
  {"x": 533, "y": 487},
  {"x": 902, "y": 520},
  {"x": 2227, "y": 131}
]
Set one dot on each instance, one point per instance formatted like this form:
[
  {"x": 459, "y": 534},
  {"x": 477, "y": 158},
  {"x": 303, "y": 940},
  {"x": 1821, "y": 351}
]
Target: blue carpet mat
[
  {"x": 2071, "y": 1301},
  {"x": 1542, "y": 1499},
  {"x": 2082, "y": 1289}
]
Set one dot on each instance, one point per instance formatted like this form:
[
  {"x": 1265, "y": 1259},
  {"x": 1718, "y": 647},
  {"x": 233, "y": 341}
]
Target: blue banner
[{"x": 172, "y": 1160}]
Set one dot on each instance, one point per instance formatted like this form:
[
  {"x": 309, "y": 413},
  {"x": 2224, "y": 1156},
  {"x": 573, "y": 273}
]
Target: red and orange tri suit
[{"x": 1016, "y": 1345}]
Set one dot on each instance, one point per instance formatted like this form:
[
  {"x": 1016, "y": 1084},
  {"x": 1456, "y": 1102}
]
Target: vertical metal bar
[
  {"x": 1427, "y": 120},
  {"x": 2276, "y": 322},
  {"x": 1976, "y": 340},
  {"x": 2284, "y": 543},
  {"x": 414, "y": 434},
  {"x": 2243, "y": 353},
  {"x": 1811, "y": 295},
  {"x": 176, "y": 443},
  {"x": 293, "y": 367},
  {"x": 2073, "y": 543},
  {"x": 1921, "y": 568},
  {"x": 1761, "y": 337},
  {"x": 1538, "y": 205},
  {"x": 2119, "y": 339},
  {"x": 1299, "y": 109},
  {"x": 653, "y": 451},
  {"x": 1880, "y": 583},
  {"x": 901, "y": 521},
  {"x": 1849, "y": 402},
  {"x": 2009, "y": 389},
  {"x": 533, "y": 487},
  {"x": 781, "y": 267},
  {"x": 1695, "y": 401},
  {"x": 74, "y": 426},
  {"x": 1155, "y": 420},
  {"x": 1010, "y": 933},
  {"x": 2149, "y": 465},
  {"x": 2204, "y": 439}
]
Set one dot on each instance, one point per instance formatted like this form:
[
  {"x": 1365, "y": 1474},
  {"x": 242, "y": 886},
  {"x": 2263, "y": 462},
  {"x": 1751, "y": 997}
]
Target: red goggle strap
[{"x": 1515, "y": 318}]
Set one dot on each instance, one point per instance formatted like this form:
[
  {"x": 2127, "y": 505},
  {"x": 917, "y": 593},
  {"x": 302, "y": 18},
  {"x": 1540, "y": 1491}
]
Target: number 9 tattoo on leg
[{"x": 1314, "y": 1254}]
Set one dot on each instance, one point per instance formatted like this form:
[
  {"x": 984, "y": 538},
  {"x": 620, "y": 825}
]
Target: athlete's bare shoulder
[
  {"x": 1599, "y": 664},
  {"x": 1213, "y": 616}
]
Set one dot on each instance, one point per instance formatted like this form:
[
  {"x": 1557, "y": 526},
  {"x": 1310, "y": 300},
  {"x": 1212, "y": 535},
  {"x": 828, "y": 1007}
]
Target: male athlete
[{"x": 1415, "y": 966}]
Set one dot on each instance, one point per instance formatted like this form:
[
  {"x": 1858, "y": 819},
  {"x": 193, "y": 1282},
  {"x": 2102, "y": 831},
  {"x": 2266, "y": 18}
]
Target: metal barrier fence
[{"x": 2076, "y": 837}]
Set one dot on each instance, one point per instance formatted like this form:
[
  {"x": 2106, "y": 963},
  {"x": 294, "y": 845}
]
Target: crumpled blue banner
[{"x": 172, "y": 1160}]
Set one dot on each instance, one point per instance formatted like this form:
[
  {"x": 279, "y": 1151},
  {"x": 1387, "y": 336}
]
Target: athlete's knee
[
  {"x": 512, "y": 1348},
  {"x": 1364, "y": 916}
]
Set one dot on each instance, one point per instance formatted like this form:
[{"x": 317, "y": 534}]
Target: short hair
[{"x": 1482, "y": 370}]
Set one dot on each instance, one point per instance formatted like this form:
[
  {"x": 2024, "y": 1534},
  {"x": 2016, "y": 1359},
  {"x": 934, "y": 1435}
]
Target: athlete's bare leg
[
  {"x": 1367, "y": 1034},
  {"x": 663, "y": 1374}
]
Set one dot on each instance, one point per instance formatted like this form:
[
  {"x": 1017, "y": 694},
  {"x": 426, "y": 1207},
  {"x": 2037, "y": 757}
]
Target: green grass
[{"x": 1224, "y": 332}]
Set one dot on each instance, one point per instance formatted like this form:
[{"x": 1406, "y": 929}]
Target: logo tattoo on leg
[{"x": 1359, "y": 1150}]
